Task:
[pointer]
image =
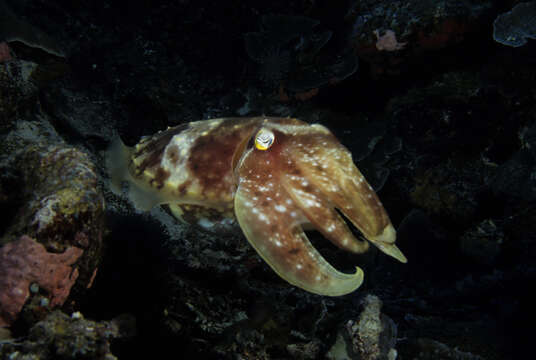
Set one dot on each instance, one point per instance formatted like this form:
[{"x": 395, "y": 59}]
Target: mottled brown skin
[
  {"x": 211, "y": 156},
  {"x": 301, "y": 179},
  {"x": 208, "y": 160},
  {"x": 153, "y": 148}
]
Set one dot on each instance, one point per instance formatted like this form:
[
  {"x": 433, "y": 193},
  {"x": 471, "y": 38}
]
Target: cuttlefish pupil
[
  {"x": 264, "y": 139},
  {"x": 209, "y": 173}
]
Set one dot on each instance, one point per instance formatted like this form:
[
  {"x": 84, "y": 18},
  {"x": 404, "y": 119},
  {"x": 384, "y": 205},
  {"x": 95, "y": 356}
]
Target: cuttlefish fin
[
  {"x": 117, "y": 158},
  {"x": 274, "y": 228}
]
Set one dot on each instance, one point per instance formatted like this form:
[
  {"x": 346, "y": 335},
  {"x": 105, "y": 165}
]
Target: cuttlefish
[{"x": 275, "y": 177}]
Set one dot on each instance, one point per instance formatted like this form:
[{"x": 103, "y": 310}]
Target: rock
[
  {"x": 288, "y": 53},
  {"x": 52, "y": 189},
  {"x": 483, "y": 242},
  {"x": 14, "y": 29},
  {"x": 390, "y": 35},
  {"x": 514, "y": 180},
  {"x": 514, "y": 27},
  {"x": 17, "y": 90}
]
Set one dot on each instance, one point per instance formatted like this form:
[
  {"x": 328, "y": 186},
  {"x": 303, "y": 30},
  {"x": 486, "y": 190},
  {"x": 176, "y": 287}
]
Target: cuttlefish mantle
[{"x": 274, "y": 176}]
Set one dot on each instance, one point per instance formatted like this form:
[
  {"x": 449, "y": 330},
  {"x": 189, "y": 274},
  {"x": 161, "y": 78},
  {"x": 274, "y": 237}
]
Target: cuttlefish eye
[{"x": 264, "y": 139}]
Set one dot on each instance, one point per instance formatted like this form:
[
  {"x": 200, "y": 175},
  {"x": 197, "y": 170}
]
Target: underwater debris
[{"x": 288, "y": 52}]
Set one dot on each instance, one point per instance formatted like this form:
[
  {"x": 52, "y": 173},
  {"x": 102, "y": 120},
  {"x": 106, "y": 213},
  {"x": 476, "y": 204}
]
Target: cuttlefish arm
[
  {"x": 338, "y": 184},
  {"x": 272, "y": 223},
  {"x": 301, "y": 178}
]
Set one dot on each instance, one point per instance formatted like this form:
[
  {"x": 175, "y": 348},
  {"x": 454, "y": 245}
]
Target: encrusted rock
[
  {"x": 309, "y": 350},
  {"x": 371, "y": 337},
  {"x": 25, "y": 265},
  {"x": 61, "y": 336},
  {"x": 514, "y": 27},
  {"x": 391, "y": 34},
  {"x": 52, "y": 224}
]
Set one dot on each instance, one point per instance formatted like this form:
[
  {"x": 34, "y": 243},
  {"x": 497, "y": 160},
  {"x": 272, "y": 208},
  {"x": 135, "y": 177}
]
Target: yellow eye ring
[{"x": 264, "y": 139}]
